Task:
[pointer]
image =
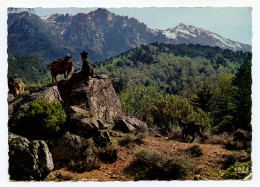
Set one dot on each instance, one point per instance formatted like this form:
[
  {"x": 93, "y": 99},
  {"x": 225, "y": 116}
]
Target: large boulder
[
  {"x": 96, "y": 96},
  {"x": 28, "y": 160},
  {"x": 130, "y": 124},
  {"x": 68, "y": 147},
  {"x": 82, "y": 123},
  {"x": 51, "y": 92},
  {"x": 102, "y": 137}
]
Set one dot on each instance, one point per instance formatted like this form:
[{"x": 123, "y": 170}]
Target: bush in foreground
[
  {"x": 93, "y": 157},
  {"x": 175, "y": 134},
  {"x": 195, "y": 151},
  {"x": 222, "y": 139},
  {"x": 131, "y": 140},
  {"x": 155, "y": 166},
  {"x": 89, "y": 164},
  {"x": 43, "y": 118}
]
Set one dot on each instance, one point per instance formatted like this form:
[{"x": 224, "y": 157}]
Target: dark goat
[
  {"x": 61, "y": 66},
  {"x": 190, "y": 128}
]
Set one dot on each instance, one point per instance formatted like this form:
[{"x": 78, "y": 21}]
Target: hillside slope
[
  {"x": 27, "y": 68},
  {"x": 206, "y": 167},
  {"x": 178, "y": 69}
]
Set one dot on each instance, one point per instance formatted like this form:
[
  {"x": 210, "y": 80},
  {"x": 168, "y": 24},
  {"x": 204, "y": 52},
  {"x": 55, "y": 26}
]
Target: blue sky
[{"x": 231, "y": 23}]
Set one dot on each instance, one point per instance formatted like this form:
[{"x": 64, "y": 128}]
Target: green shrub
[
  {"x": 228, "y": 160},
  {"x": 108, "y": 154},
  {"x": 89, "y": 164},
  {"x": 140, "y": 137},
  {"x": 130, "y": 140},
  {"x": 178, "y": 167},
  {"x": 148, "y": 158},
  {"x": 43, "y": 117},
  {"x": 155, "y": 166},
  {"x": 175, "y": 134},
  {"x": 85, "y": 114},
  {"x": 195, "y": 151},
  {"x": 234, "y": 145},
  {"x": 237, "y": 171},
  {"x": 127, "y": 140}
]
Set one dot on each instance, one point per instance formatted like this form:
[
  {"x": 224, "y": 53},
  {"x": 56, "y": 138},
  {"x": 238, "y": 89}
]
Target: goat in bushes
[
  {"x": 190, "y": 128},
  {"x": 61, "y": 66},
  {"x": 16, "y": 86}
]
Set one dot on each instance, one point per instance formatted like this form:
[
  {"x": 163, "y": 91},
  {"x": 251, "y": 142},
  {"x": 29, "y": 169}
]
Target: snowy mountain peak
[{"x": 189, "y": 34}]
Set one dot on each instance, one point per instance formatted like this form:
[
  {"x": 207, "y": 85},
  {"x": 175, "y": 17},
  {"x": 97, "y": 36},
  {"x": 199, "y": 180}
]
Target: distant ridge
[
  {"x": 189, "y": 34},
  {"x": 102, "y": 33}
]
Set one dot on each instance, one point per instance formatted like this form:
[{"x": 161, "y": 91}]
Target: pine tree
[{"x": 243, "y": 100}]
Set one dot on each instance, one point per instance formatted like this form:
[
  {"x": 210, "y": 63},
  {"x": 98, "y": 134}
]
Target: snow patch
[
  {"x": 170, "y": 34},
  {"x": 46, "y": 17},
  {"x": 62, "y": 32}
]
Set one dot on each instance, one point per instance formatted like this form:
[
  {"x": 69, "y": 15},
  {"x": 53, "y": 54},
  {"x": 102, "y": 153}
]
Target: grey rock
[
  {"x": 96, "y": 96},
  {"x": 136, "y": 123},
  {"x": 123, "y": 126},
  {"x": 74, "y": 110},
  {"x": 28, "y": 160},
  {"x": 50, "y": 92},
  {"x": 102, "y": 138},
  {"x": 68, "y": 147},
  {"x": 89, "y": 124},
  {"x": 130, "y": 124}
]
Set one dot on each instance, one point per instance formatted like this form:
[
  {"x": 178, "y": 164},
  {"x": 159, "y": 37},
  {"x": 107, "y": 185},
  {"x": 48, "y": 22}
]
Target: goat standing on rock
[
  {"x": 61, "y": 66},
  {"x": 190, "y": 128},
  {"x": 16, "y": 86}
]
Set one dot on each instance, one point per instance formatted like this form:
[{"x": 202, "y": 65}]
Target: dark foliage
[
  {"x": 227, "y": 161},
  {"x": 89, "y": 164},
  {"x": 108, "y": 155},
  {"x": 243, "y": 100},
  {"x": 42, "y": 119},
  {"x": 179, "y": 69},
  {"x": 195, "y": 151}
]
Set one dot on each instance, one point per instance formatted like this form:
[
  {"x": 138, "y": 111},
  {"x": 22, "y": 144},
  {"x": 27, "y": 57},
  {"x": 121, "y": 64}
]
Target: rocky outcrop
[
  {"x": 130, "y": 124},
  {"x": 89, "y": 105},
  {"x": 16, "y": 109},
  {"x": 96, "y": 96},
  {"x": 28, "y": 160},
  {"x": 49, "y": 92}
]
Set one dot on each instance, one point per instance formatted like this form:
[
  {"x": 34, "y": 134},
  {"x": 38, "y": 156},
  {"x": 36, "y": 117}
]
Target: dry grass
[
  {"x": 195, "y": 151},
  {"x": 152, "y": 165},
  {"x": 175, "y": 134},
  {"x": 207, "y": 166},
  {"x": 222, "y": 139}
]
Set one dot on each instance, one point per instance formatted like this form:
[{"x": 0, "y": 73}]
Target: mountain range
[
  {"x": 101, "y": 33},
  {"x": 189, "y": 34}
]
